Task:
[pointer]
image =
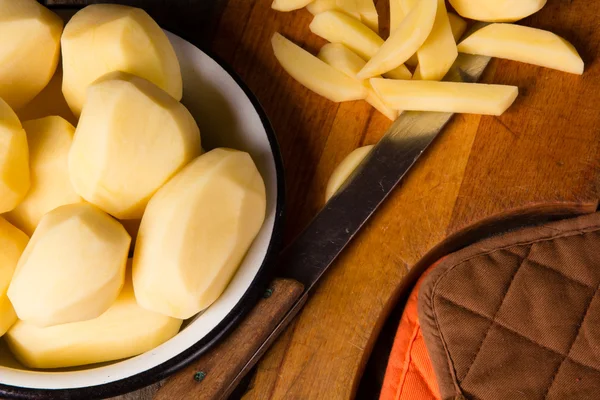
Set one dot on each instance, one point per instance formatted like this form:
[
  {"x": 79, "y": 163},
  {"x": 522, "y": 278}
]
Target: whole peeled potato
[
  {"x": 124, "y": 330},
  {"x": 73, "y": 267},
  {"x": 103, "y": 38},
  {"x": 131, "y": 138},
  {"x": 49, "y": 141},
  {"x": 195, "y": 233},
  {"x": 14, "y": 159},
  {"x": 29, "y": 51}
]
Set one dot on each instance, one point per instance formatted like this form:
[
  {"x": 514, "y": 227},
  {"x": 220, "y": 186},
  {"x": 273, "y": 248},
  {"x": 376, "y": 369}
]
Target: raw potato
[
  {"x": 12, "y": 244},
  {"x": 319, "y": 6},
  {"x": 131, "y": 139},
  {"x": 196, "y": 231},
  {"x": 467, "y": 98},
  {"x": 438, "y": 53},
  {"x": 524, "y": 44},
  {"x": 458, "y": 26},
  {"x": 7, "y": 315},
  {"x": 396, "y": 14},
  {"x": 314, "y": 73},
  {"x": 368, "y": 13},
  {"x": 125, "y": 330},
  {"x": 337, "y": 27},
  {"x": 343, "y": 59},
  {"x": 497, "y": 10},
  {"x": 73, "y": 267},
  {"x": 345, "y": 169},
  {"x": 103, "y": 38},
  {"x": 50, "y": 101},
  {"x": 289, "y": 5},
  {"x": 14, "y": 159},
  {"x": 30, "y": 49},
  {"x": 49, "y": 140},
  {"x": 404, "y": 41}
]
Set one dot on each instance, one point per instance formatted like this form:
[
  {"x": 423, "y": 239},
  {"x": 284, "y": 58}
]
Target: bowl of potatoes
[{"x": 141, "y": 193}]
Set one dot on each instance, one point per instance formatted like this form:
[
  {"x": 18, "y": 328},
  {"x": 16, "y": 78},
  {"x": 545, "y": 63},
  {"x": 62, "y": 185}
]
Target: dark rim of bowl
[{"x": 233, "y": 318}]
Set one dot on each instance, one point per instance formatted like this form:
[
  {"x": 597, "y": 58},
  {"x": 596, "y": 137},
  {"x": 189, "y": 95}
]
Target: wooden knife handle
[{"x": 211, "y": 376}]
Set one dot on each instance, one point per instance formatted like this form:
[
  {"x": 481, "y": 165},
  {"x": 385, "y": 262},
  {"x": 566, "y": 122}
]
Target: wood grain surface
[{"x": 544, "y": 150}]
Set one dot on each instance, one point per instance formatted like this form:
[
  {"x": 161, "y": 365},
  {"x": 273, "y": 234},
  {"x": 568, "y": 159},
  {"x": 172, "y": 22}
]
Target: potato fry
[
  {"x": 289, "y": 5},
  {"x": 458, "y": 26},
  {"x": 404, "y": 41},
  {"x": 497, "y": 10},
  {"x": 345, "y": 169},
  {"x": 468, "y": 98},
  {"x": 396, "y": 14},
  {"x": 315, "y": 74},
  {"x": 439, "y": 52},
  {"x": 343, "y": 59},
  {"x": 524, "y": 44},
  {"x": 319, "y": 6}
]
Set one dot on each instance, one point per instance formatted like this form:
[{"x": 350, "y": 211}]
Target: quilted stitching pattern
[{"x": 523, "y": 322}]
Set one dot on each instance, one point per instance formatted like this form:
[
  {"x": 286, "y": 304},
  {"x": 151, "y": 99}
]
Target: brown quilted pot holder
[{"x": 518, "y": 316}]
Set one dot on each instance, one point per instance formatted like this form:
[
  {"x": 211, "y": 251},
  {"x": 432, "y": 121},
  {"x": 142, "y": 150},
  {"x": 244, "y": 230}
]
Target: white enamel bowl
[{"x": 228, "y": 116}]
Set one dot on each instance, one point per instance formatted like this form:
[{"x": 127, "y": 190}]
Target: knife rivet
[
  {"x": 199, "y": 376},
  {"x": 268, "y": 293}
]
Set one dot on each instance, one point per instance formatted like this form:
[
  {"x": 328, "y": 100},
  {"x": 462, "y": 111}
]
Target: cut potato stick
[
  {"x": 497, "y": 10},
  {"x": 404, "y": 41},
  {"x": 344, "y": 60},
  {"x": 467, "y": 98},
  {"x": 343, "y": 171},
  {"x": 524, "y": 44},
  {"x": 337, "y": 27},
  {"x": 289, "y": 5},
  {"x": 396, "y": 14},
  {"x": 458, "y": 26},
  {"x": 319, "y": 6},
  {"x": 368, "y": 14},
  {"x": 315, "y": 74},
  {"x": 439, "y": 52}
]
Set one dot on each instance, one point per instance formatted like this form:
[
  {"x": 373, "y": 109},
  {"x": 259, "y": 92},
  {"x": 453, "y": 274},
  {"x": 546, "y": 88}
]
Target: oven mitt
[
  {"x": 518, "y": 316},
  {"x": 409, "y": 374}
]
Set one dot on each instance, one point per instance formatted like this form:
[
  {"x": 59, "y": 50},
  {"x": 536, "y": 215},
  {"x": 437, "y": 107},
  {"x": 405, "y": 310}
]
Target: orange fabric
[{"x": 409, "y": 374}]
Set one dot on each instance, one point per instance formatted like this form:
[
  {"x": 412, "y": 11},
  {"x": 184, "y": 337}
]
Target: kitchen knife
[{"x": 303, "y": 263}]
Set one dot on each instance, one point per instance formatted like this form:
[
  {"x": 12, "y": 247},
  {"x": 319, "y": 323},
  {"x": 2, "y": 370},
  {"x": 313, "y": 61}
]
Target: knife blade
[{"x": 312, "y": 253}]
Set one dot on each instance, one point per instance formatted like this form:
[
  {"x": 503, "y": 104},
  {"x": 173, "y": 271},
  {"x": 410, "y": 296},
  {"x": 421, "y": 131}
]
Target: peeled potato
[
  {"x": 439, "y": 52},
  {"x": 467, "y": 98},
  {"x": 404, "y": 41},
  {"x": 337, "y": 27},
  {"x": 14, "y": 159},
  {"x": 196, "y": 231},
  {"x": 131, "y": 138},
  {"x": 289, "y": 5},
  {"x": 396, "y": 14},
  {"x": 30, "y": 49},
  {"x": 319, "y": 6},
  {"x": 73, "y": 267},
  {"x": 50, "y": 101},
  {"x": 345, "y": 169},
  {"x": 12, "y": 242},
  {"x": 343, "y": 59},
  {"x": 103, "y": 38},
  {"x": 314, "y": 73},
  {"x": 125, "y": 330},
  {"x": 7, "y": 314},
  {"x": 524, "y": 44},
  {"x": 49, "y": 140},
  {"x": 497, "y": 10},
  {"x": 368, "y": 13},
  {"x": 458, "y": 26}
]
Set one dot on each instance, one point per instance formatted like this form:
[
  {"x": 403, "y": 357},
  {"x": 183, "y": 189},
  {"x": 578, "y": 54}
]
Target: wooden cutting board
[{"x": 542, "y": 156}]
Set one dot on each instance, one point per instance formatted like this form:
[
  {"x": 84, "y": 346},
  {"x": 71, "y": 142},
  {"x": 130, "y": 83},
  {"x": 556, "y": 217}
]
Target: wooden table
[{"x": 542, "y": 156}]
